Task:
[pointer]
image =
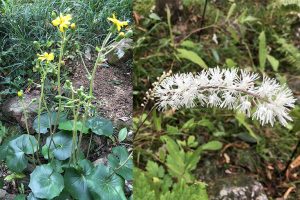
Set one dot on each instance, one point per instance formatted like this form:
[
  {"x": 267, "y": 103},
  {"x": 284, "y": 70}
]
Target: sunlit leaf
[{"x": 192, "y": 56}]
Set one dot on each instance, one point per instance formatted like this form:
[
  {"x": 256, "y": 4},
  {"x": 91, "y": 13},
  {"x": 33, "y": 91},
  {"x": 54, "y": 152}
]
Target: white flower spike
[{"x": 228, "y": 88}]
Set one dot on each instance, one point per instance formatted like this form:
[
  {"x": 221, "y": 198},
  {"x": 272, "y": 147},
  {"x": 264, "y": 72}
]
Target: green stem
[
  {"x": 61, "y": 53},
  {"x": 98, "y": 60},
  {"x": 81, "y": 132},
  {"x": 121, "y": 165},
  {"x": 50, "y": 122},
  {"x": 40, "y": 111},
  {"x": 89, "y": 147},
  {"x": 27, "y": 127}
]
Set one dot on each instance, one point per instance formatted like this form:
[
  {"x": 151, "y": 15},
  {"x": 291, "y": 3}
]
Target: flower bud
[
  {"x": 129, "y": 34},
  {"x": 122, "y": 34},
  {"x": 20, "y": 94},
  {"x": 73, "y": 26},
  {"x": 53, "y": 14}
]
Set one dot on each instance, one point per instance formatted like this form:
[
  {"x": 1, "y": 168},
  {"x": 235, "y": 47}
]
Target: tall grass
[{"x": 25, "y": 21}]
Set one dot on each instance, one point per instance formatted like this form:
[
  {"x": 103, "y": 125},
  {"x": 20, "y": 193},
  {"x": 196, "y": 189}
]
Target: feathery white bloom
[
  {"x": 227, "y": 88},
  {"x": 245, "y": 106}
]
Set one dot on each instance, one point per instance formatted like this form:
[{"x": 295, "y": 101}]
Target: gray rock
[
  {"x": 12, "y": 109},
  {"x": 237, "y": 188},
  {"x": 2, "y": 194},
  {"x": 121, "y": 54},
  {"x": 5, "y": 196}
]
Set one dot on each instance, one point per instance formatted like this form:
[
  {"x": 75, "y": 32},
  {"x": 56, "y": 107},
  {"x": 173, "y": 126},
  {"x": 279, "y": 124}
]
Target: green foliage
[
  {"x": 100, "y": 126},
  {"x": 262, "y": 50},
  {"x": 76, "y": 180},
  {"x": 258, "y": 37},
  {"x": 16, "y": 152},
  {"x": 45, "y": 182},
  {"x": 122, "y": 134},
  {"x": 3, "y": 132},
  {"x": 26, "y": 30},
  {"x": 69, "y": 126},
  {"x": 105, "y": 184},
  {"x": 61, "y": 166},
  {"x": 181, "y": 163},
  {"x": 47, "y": 121},
  {"x": 119, "y": 161},
  {"x": 60, "y": 145},
  {"x": 152, "y": 187},
  {"x": 192, "y": 56}
]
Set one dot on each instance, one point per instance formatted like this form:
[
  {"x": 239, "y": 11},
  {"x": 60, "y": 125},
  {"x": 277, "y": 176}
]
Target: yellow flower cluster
[
  {"x": 46, "y": 56},
  {"x": 119, "y": 24},
  {"x": 63, "y": 21}
]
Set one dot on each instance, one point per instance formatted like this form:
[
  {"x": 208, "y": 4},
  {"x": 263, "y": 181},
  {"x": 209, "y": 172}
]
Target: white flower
[
  {"x": 246, "y": 80},
  {"x": 268, "y": 87},
  {"x": 216, "y": 76},
  {"x": 264, "y": 114},
  {"x": 269, "y": 101},
  {"x": 214, "y": 100},
  {"x": 229, "y": 100},
  {"x": 245, "y": 106},
  {"x": 230, "y": 76}
]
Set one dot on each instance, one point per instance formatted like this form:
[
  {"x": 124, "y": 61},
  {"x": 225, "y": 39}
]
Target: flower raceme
[
  {"x": 228, "y": 88},
  {"x": 46, "y": 56},
  {"x": 119, "y": 24},
  {"x": 63, "y": 21}
]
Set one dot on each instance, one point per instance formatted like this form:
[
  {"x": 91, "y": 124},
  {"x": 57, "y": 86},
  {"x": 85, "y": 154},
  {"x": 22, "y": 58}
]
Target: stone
[
  {"x": 237, "y": 188},
  {"x": 122, "y": 53},
  {"x": 12, "y": 109},
  {"x": 2, "y": 194}
]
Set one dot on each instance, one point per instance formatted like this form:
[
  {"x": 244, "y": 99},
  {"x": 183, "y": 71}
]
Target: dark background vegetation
[{"x": 237, "y": 31}]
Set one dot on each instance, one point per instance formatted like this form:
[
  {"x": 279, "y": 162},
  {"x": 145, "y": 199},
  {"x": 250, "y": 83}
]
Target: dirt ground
[{"x": 112, "y": 89}]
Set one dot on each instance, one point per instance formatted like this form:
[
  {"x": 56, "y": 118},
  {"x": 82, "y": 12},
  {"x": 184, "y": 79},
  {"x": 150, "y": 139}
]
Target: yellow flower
[
  {"x": 121, "y": 34},
  {"x": 118, "y": 23},
  {"x": 46, "y": 56},
  {"x": 62, "y": 21},
  {"x": 20, "y": 93},
  {"x": 73, "y": 26}
]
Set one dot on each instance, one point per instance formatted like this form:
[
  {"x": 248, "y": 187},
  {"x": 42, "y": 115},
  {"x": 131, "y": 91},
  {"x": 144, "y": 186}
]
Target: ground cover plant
[
  {"x": 48, "y": 159},
  {"x": 186, "y": 53}
]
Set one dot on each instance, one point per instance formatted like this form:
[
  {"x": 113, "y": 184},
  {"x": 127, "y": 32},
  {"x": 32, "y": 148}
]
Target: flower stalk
[{"x": 229, "y": 89}]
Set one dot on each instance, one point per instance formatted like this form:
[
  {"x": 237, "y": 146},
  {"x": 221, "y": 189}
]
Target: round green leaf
[
  {"x": 46, "y": 121},
  {"x": 105, "y": 184},
  {"x": 16, "y": 150},
  {"x": 45, "y": 182},
  {"x": 68, "y": 126},
  {"x": 122, "y": 134},
  {"x": 76, "y": 182},
  {"x": 101, "y": 126},
  {"x": 119, "y": 159},
  {"x": 61, "y": 146}
]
